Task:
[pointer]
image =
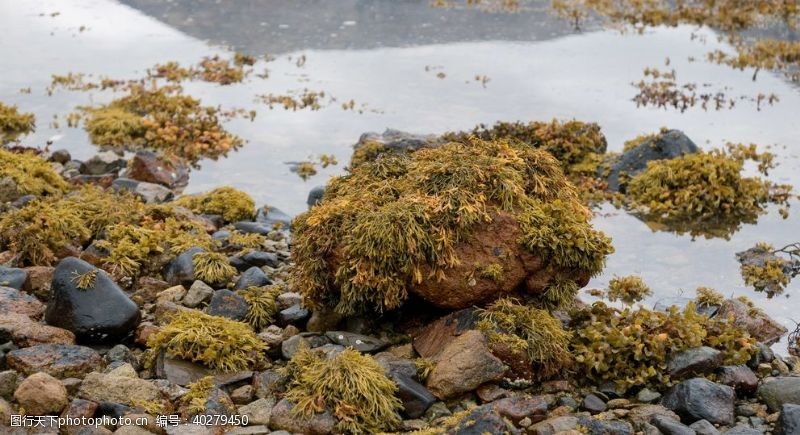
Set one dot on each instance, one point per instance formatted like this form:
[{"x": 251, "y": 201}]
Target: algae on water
[{"x": 14, "y": 123}]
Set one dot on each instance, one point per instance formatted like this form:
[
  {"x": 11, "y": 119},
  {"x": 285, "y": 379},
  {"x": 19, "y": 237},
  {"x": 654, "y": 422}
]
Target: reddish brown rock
[
  {"x": 152, "y": 168},
  {"x": 41, "y": 394},
  {"x": 432, "y": 340},
  {"x": 25, "y": 332},
  {"x": 58, "y": 360},
  {"x": 143, "y": 333},
  {"x": 38, "y": 282},
  {"x": 463, "y": 365},
  {"x": 15, "y": 301},
  {"x": 760, "y": 326},
  {"x": 517, "y": 408},
  {"x": 491, "y": 392}
]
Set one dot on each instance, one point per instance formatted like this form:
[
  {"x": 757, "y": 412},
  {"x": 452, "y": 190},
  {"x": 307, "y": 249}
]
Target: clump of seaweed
[
  {"x": 31, "y": 175},
  {"x": 14, "y": 123},
  {"x": 163, "y": 119},
  {"x": 560, "y": 293},
  {"x": 295, "y": 100},
  {"x": 84, "y": 281},
  {"x": 218, "y": 343},
  {"x": 628, "y": 289},
  {"x": 195, "y": 399},
  {"x": 381, "y": 224},
  {"x": 767, "y": 269},
  {"x": 632, "y": 347},
  {"x": 262, "y": 305},
  {"x": 351, "y": 385},
  {"x": 212, "y": 267},
  {"x": 527, "y": 330},
  {"x": 232, "y": 204},
  {"x": 709, "y": 297},
  {"x": 702, "y": 193}
]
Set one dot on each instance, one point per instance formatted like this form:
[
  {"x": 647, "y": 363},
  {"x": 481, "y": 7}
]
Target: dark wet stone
[
  {"x": 703, "y": 427},
  {"x": 253, "y": 227},
  {"x": 12, "y": 277},
  {"x": 315, "y": 196},
  {"x": 252, "y": 277},
  {"x": 60, "y": 156},
  {"x": 181, "y": 269},
  {"x": 99, "y": 314},
  {"x": 15, "y": 301},
  {"x": 789, "y": 420},
  {"x": 238, "y": 263},
  {"x": 416, "y": 398},
  {"x": 179, "y": 372},
  {"x": 58, "y": 360},
  {"x": 390, "y": 362},
  {"x": 668, "y": 145},
  {"x": 228, "y": 304},
  {"x": 272, "y": 216},
  {"x": 779, "y": 391},
  {"x": 699, "y": 398},
  {"x": 741, "y": 378},
  {"x": 111, "y": 409},
  {"x": 593, "y": 404},
  {"x": 605, "y": 427},
  {"x": 293, "y": 315},
  {"x": 361, "y": 343},
  {"x": 261, "y": 258},
  {"x": 695, "y": 361},
  {"x": 219, "y": 403},
  {"x": 669, "y": 426}
]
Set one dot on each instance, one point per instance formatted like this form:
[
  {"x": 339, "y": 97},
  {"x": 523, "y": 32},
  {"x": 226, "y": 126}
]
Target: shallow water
[{"x": 375, "y": 52}]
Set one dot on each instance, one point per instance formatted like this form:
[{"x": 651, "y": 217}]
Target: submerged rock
[{"x": 101, "y": 312}]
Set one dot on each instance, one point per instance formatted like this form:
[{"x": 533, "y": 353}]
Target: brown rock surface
[
  {"x": 25, "y": 332},
  {"x": 41, "y": 394},
  {"x": 464, "y": 365}
]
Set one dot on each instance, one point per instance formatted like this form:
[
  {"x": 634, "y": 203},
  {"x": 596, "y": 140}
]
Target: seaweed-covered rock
[
  {"x": 457, "y": 225},
  {"x": 371, "y": 144},
  {"x": 667, "y": 144},
  {"x": 699, "y": 398},
  {"x": 96, "y": 310}
]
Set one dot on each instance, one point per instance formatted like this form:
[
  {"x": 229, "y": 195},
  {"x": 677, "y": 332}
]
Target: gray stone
[
  {"x": 555, "y": 425},
  {"x": 391, "y": 362},
  {"x": 605, "y": 427},
  {"x": 776, "y": 392},
  {"x": 198, "y": 293},
  {"x": 261, "y": 258},
  {"x": 290, "y": 346},
  {"x": 646, "y": 395},
  {"x": 282, "y": 418},
  {"x": 152, "y": 193},
  {"x": 60, "y": 156},
  {"x": 12, "y": 277},
  {"x": 789, "y": 420},
  {"x": 253, "y": 227},
  {"x": 180, "y": 372},
  {"x": 226, "y": 303},
  {"x": 293, "y": 315},
  {"x": 315, "y": 196},
  {"x": 667, "y": 145},
  {"x": 269, "y": 383},
  {"x": 593, "y": 404},
  {"x": 252, "y": 277},
  {"x": 104, "y": 162},
  {"x": 415, "y": 397},
  {"x": 259, "y": 411},
  {"x": 286, "y": 300},
  {"x": 699, "y": 398},
  {"x": 741, "y": 378},
  {"x": 703, "y": 427},
  {"x": 699, "y": 360},
  {"x": 670, "y": 426},
  {"x": 743, "y": 430},
  {"x": 181, "y": 269},
  {"x": 361, "y": 343},
  {"x": 120, "y": 353},
  {"x": 272, "y": 216}
]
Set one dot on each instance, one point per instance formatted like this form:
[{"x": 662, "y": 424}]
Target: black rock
[
  {"x": 699, "y": 398},
  {"x": 12, "y": 277},
  {"x": 228, "y": 304},
  {"x": 703, "y": 427},
  {"x": 253, "y": 227},
  {"x": 252, "y": 277},
  {"x": 293, "y": 315},
  {"x": 180, "y": 271},
  {"x": 60, "y": 156},
  {"x": 605, "y": 427},
  {"x": 789, "y": 421},
  {"x": 667, "y": 145},
  {"x": 315, "y": 196},
  {"x": 361, "y": 343},
  {"x": 416, "y": 398},
  {"x": 698, "y": 360},
  {"x": 261, "y": 258},
  {"x": 219, "y": 403},
  {"x": 100, "y": 313},
  {"x": 594, "y": 404},
  {"x": 238, "y": 263},
  {"x": 669, "y": 426},
  {"x": 741, "y": 378},
  {"x": 111, "y": 409}
]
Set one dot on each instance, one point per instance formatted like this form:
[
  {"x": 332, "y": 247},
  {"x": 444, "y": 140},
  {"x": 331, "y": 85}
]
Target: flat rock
[
  {"x": 101, "y": 313},
  {"x": 699, "y": 360},
  {"x": 58, "y": 360},
  {"x": 41, "y": 394},
  {"x": 13, "y": 277},
  {"x": 361, "y": 343},
  {"x": 554, "y": 425},
  {"x": 463, "y": 365},
  {"x": 776, "y": 392},
  {"x": 24, "y": 332},
  {"x": 180, "y": 372},
  {"x": 225, "y": 303},
  {"x": 699, "y": 398},
  {"x": 316, "y": 424},
  {"x": 14, "y": 301},
  {"x": 99, "y": 387}
]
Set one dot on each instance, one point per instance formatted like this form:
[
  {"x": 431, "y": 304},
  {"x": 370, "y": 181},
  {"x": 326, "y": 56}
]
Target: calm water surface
[{"x": 376, "y": 53}]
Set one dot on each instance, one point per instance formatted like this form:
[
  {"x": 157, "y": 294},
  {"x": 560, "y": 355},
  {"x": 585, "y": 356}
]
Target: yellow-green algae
[
  {"x": 31, "y": 174},
  {"x": 212, "y": 267},
  {"x": 230, "y": 203},
  {"x": 628, "y": 289},
  {"x": 263, "y": 306},
  {"x": 218, "y": 343},
  {"x": 389, "y": 217},
  {"x": 351, "y": 385},
  {"x": 14, "y": 123},
  {"x": 527, "y": 330},
  {"x": 195, "y": 399}
]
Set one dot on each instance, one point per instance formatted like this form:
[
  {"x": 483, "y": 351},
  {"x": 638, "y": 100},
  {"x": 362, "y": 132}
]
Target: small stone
[
  {"x": 261, "y": 258},
  {"x": 669, "y": 426},
  {"x": 181, "y": 269},
  {"x": 293, "y": 315},
  {"x": 60, "y": 156},
  {"x": 120, "y": 353},
  {"x": 393, "y": 363},
  {"x": 258, "y": 412},
  {"x": 226, "y": 303},
  {"x": 361, "y": 343},
  {"x": 593, "y": 404},
  {"x": 123, "y": 369},
  {"x": 198, "y": 293},
  {"x": 172, "y": 294},
  {"x": 556, "y": 386},
  {"x": 13, "y": 277},
  {"x": 39, "y": 280},
  {"x": 699, "y": 398},
  {"x": 180, "y": 372},
  {"x": 596, "y": 426},
  {"x": 646, "y": 395},
  {"x": 8, "y": 383},
  {"x": 743, "y": 430},
  {"x": 58, "y": 360},
  {"x": 490, "y": 392},
  {"x": 99, "y": 387},
  {"x": 463, "y": 365},
  {"x": 315, "y": 196},
  {"x": 740, "y": 377},
  {"x": 72, "y": 385},
  {"x": 153, "y": 193},
  {"x": 699, "y": 360},
  {"x": 552, "y": 426},
  {"x": 517, "y": 408},
  {"x": 269, "y": 383},
  {"x": 41, "y": 394},
  {"x": 290, "y": 346},
  {"x": 641, "y": 415},
  {"x": 104, "y": 162},
  {"x": 252, "y": 277},
  {"x": 253, "y": 227},
  {"x": 286, "y": 300},
  {"x": 15, "y": 301},
  {"x": 703, "y": 427},
  {"x": 242, "y": 395},
  {"x": 316, "y": 424},
  {"x": 415, "y": 397},
  {"x": 24, "y": 332},
  {"x": 778, "y": 391}
]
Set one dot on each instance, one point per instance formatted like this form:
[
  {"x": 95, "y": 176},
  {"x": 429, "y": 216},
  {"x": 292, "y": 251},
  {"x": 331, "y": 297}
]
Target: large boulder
[
  {"x": 100, "y": 313},
  {"x": 698, "y": 398},
  {"x": 41, "y": 394},
  {"x": 665, "y": 145}
]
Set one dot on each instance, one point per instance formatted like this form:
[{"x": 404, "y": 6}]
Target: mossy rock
[
  {"x": 28, "y": 175},
  {"x": 431, "y": 222}
]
